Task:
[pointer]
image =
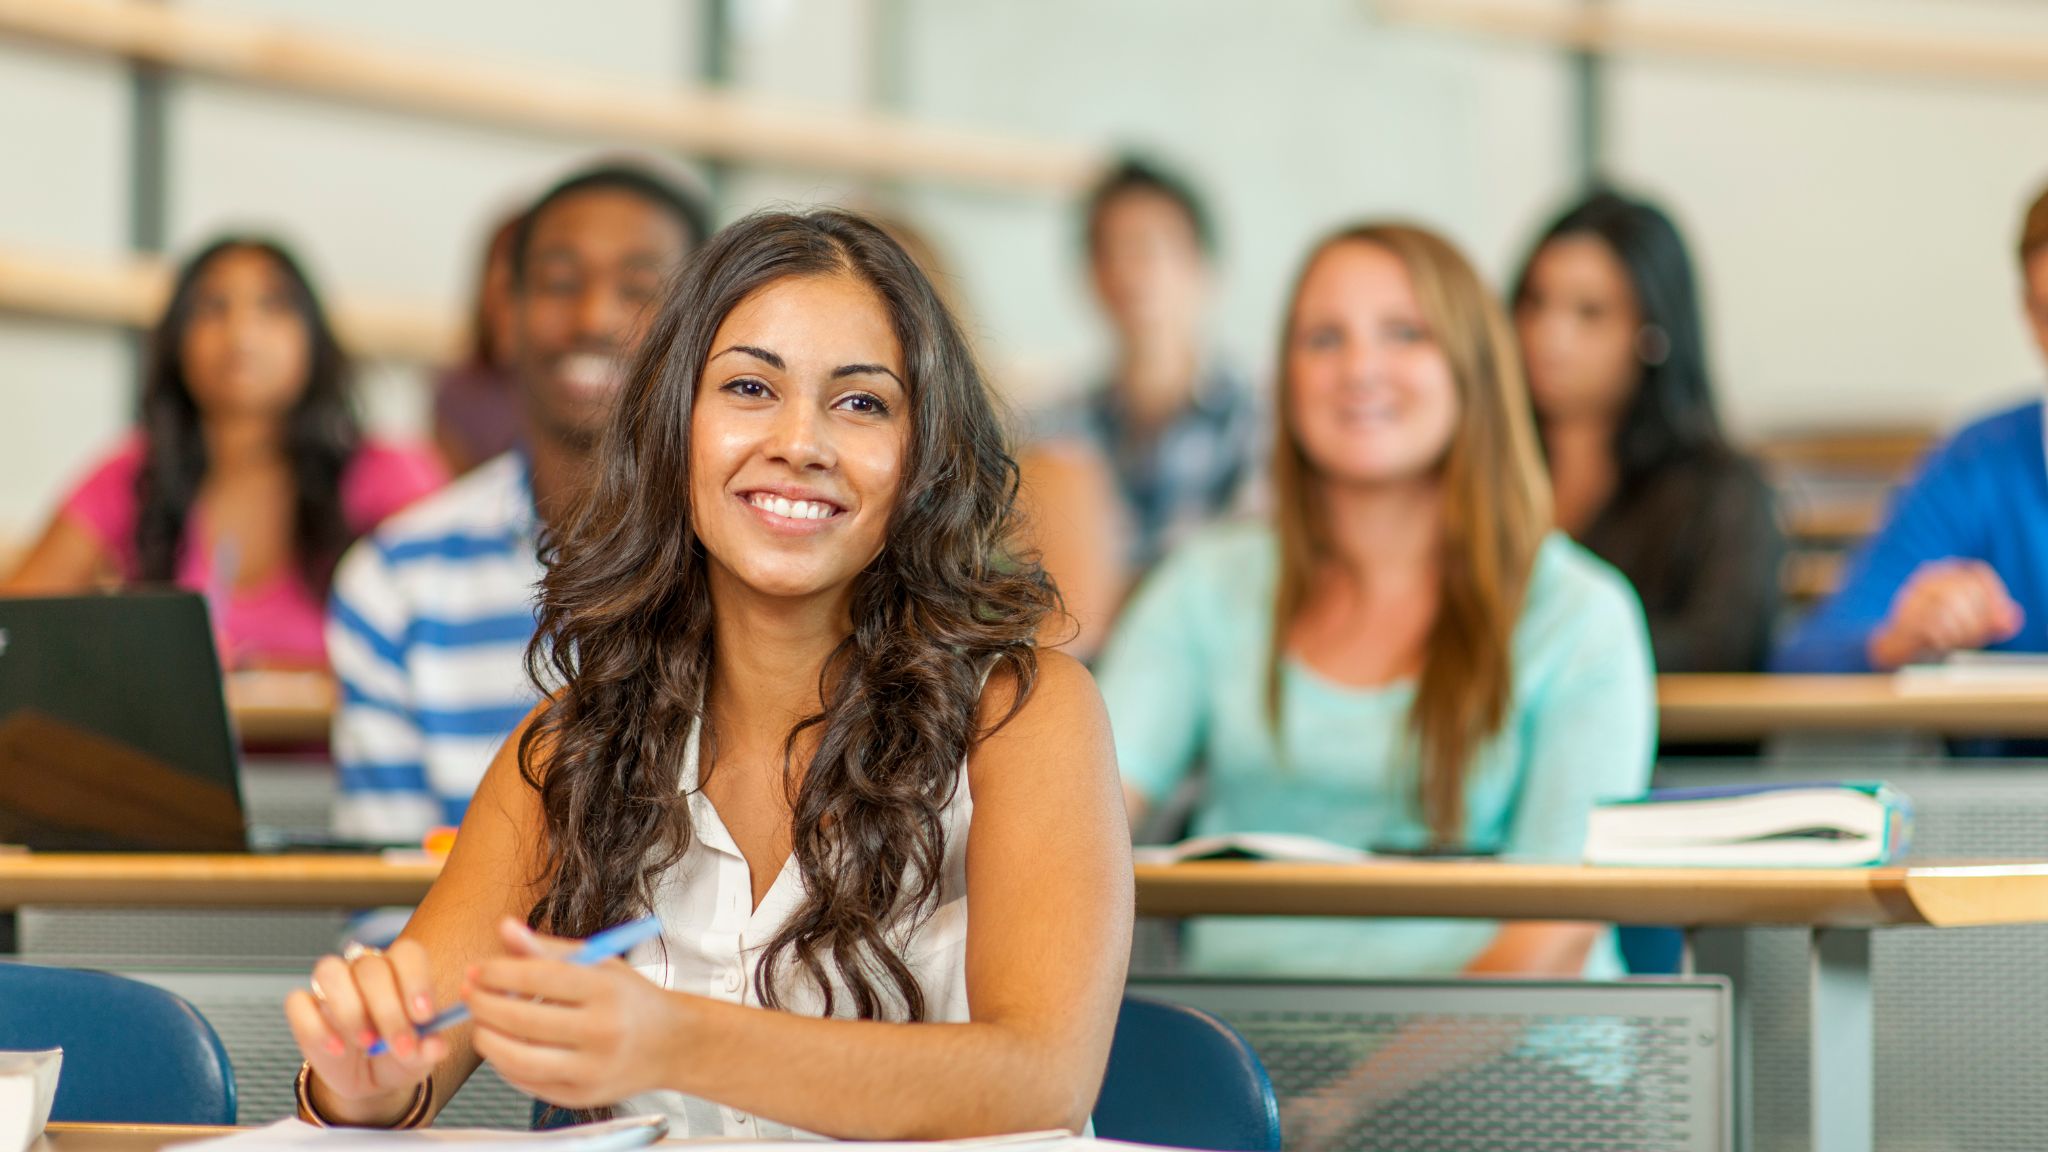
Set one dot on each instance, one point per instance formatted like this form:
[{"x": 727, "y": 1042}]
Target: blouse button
[{"x": 733, "y": 980}]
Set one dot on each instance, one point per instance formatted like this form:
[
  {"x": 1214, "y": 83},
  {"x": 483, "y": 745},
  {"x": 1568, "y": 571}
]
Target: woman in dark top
[{"x": 1610, "y": 325}]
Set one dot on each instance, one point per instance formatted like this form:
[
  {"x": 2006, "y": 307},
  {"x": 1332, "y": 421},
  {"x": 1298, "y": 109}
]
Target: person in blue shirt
[
  {"x": 1408, "y": 656},
  {"x": 1962, "y": 560}
]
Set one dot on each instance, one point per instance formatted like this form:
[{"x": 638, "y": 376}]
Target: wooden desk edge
[
  {"x": 1950, "y": 896},
  {"x": 1940, "y": 895},
  {"x": 1720, "y": 706},
  {"x": 215, "y": 881}
]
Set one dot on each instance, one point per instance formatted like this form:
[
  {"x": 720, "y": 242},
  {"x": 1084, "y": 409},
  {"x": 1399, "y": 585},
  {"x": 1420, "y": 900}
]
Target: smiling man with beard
[{"x": 431, "y": 613}]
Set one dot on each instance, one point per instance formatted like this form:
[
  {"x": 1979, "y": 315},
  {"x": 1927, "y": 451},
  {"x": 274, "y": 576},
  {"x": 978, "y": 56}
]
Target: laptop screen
[{"x": 114, "y": 735}]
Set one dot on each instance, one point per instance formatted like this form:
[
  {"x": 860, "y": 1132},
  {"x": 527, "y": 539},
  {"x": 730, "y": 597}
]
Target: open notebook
[
  {"x": 1976, "y": 673},
  {"x": 1276, "y": 846}
]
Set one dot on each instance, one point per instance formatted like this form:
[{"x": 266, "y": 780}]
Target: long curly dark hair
[
  {"x": 626, "y": 636},
  {"x": 322, "y": 432}
]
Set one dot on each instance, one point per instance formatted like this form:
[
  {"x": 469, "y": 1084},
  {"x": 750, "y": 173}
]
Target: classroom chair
[
  {"x": 1650, "y": 950},
  {"x": 1181, "y": 1077},
  {"x": 133, "y": 1053}
]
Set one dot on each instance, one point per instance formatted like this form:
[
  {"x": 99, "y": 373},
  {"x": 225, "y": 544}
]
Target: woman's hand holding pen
[
  {"x": 578, "y": 1036},
  {"x": 351, "y": 1004}
]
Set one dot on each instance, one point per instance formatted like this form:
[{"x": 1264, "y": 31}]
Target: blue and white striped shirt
[{"x": 427, "y": 630}]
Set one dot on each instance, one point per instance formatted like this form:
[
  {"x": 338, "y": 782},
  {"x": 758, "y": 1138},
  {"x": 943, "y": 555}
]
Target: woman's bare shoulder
[{"x": 1061, "y": 723}]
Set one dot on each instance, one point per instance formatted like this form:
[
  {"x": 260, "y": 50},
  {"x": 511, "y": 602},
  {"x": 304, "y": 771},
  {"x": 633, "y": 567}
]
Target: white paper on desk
[
  {"x": 299, "y": 1136},
  {"x": 2018, "y": 673},
  {"x": 1051, "y": 1140},
  {"x": 28, "y": 1085}
]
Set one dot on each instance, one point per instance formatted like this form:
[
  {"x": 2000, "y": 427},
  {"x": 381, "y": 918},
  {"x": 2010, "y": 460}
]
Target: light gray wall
[
  {"x": 1295, "y": 117},
  {"x": 1853, "y": 231},
  {"x": 1856, "y": 232},
  {"x": 62, "y": 385}
]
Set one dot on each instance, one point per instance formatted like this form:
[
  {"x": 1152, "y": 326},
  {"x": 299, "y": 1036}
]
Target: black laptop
[{"x": 114, "y": 731}]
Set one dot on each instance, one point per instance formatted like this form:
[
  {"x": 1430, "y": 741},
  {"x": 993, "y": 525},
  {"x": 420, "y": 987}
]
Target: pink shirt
[{"x": 281, "y": 620}]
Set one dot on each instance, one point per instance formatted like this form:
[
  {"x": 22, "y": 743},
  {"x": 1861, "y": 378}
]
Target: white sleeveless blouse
[{"x": 711, "y": 942}]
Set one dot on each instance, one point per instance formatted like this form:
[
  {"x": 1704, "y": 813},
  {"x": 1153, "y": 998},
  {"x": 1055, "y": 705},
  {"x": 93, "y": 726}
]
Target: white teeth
[
  {"x": 587, "y": 370},
  {"x": 791, "y": 509}
]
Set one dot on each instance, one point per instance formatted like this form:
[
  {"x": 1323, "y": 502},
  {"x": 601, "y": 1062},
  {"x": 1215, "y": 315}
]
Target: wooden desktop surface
[
  {"x": 296, "y": 708},
  {"x": 273, "y": 708},
  {"x": 1939, "y": 895},
  {"x": 62, "y": 1137},
  {"x": 1734, "y": 707},
  {"x": 206, "y": 881}
]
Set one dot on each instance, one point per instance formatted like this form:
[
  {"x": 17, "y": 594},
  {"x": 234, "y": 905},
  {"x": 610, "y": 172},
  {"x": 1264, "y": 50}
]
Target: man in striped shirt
[{"x": 432, "y": 612}]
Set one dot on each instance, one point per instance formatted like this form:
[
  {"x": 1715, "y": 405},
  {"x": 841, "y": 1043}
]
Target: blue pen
[{"x": 614, "y": 941}]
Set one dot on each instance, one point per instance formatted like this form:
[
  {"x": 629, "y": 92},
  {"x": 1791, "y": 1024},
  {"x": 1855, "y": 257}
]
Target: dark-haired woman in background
[
  {"x": 1643, "y": 477},
  {"x": 249, "y": 473},
  {"x": 794, "y": 709}
]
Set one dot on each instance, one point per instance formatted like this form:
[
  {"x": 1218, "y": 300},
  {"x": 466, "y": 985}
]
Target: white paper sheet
[{"x": 299, "y": 1136}]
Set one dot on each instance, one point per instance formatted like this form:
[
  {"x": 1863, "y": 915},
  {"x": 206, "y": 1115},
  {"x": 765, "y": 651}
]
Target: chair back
[
  {"x": 1181, "y": 1077},
  {"x": 133, "y": 1053}
]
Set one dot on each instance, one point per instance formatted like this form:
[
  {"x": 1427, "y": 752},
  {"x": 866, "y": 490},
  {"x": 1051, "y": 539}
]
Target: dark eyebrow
[
  {"x": 761, "y": 354},
  {"x": 845, "y": 370}
]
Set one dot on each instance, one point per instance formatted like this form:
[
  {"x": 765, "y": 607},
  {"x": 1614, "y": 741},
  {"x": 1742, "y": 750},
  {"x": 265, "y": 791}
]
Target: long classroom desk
[
  {"x": 1712, "y": 706},
  {"x": 272, "y": 709},
  {"x": 1941, "y": 896},
  {"x": 1837, "y": 909}
]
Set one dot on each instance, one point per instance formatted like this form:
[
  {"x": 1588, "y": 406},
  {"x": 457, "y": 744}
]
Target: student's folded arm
[
  {"x": 1591, "y": 737},
  {"x": 68, "y": 557},
  {"x": 379, "y": 750},
  {"x": 1937, "y": 517},
  {"x": 1049, "y": 918},
  {"x": 1154, "y": 675}
]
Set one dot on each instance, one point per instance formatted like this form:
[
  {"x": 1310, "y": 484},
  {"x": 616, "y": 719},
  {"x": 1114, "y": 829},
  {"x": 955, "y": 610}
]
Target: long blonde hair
[{"x": 1496, "y": 513}]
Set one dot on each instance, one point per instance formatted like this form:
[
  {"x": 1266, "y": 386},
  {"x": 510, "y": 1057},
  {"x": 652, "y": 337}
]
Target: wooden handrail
[
  {"x": 1715, "y": 35},
  {"x": 697, "y": 122},
  {"x": 129, "y": 292}
]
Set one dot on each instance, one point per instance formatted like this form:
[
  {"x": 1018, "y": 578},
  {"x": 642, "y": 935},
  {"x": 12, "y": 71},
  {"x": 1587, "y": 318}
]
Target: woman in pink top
[{"x": 249, "y": 473}]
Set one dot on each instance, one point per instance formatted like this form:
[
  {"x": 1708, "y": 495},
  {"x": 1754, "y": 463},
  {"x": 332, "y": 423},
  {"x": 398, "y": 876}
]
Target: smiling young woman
[
  {"x": 794, "y": 710},
  {"x": 1409, "y": 656}
]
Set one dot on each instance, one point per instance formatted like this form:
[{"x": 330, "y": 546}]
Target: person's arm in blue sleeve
[
  {"x": 1153, "y": 675},
  {"x": 1930, "y": 520}
]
